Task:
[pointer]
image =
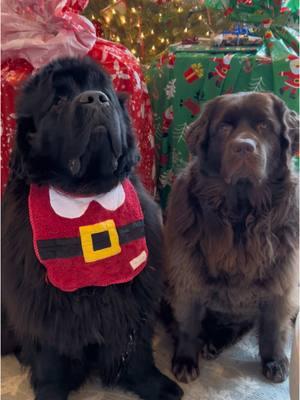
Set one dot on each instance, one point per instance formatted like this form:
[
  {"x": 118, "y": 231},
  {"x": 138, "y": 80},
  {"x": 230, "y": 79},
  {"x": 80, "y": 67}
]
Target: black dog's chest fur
[{"x": 111, "y": 317}]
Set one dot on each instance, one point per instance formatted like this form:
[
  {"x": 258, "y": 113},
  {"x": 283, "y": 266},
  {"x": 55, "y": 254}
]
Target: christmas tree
[{"x": 147, "y": 27}]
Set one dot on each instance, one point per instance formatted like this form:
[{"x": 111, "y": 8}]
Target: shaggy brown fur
[{"x": 232, "y": 233}]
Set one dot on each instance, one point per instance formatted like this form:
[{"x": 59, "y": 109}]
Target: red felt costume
[{"x": 99, "y": 248}]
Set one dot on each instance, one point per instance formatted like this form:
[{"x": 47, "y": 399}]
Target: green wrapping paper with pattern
[
  {"x": 185, "y": 77},
  {"x": 256, "y": 11}
]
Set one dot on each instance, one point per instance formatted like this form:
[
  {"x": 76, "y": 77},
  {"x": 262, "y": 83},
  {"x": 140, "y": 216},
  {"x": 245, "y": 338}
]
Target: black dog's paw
[
  {"x": 185, "y": 368},
  {"x": 151, "y": 384},
  {"x": 276, "y": 370},
  {"x": 210, "y": 352},
  {"x": 170, "y": 390},
  {"x": 50, "y": 392}
]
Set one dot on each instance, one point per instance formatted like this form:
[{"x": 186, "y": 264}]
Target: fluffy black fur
[{"x": 79, "y": 148}]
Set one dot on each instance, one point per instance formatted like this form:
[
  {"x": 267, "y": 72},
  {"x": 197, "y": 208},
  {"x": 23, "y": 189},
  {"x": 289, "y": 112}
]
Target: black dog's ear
[
  {"x": 123, "y": 99},
  {"x": 130, "y": 156},
  {"x": 21, "y": 150},
  {"x": 196, "y": 132},
  {"x": 290, "y": 125}
]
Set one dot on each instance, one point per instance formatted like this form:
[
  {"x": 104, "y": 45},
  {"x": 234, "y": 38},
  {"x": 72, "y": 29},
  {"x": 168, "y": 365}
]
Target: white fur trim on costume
[
  {"x": 74, "y": 207},
  {"x": 137, "y": 261}
]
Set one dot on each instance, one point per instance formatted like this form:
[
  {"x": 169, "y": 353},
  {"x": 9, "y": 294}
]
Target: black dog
[{"x": 74, "y": 135}]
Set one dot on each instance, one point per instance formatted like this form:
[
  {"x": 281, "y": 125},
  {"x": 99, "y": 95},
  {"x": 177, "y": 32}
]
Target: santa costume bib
[{"x": 88, "y": 241}]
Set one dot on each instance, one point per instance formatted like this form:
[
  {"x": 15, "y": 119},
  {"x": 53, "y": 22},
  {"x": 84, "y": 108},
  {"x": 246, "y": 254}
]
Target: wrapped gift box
[
  {"x": 178, "y": 94},
  {"x": 199, "y": 72},
  {"x": 34, "y": 33}
]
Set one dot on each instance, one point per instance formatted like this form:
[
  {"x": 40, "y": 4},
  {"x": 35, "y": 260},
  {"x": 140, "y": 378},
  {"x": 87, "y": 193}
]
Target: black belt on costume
[{"x": 71, "y": 247}]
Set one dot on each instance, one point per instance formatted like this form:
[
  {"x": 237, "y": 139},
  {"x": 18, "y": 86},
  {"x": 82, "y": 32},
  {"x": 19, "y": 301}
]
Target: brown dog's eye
[
  {"x": 225, "y": 128},
  {"x": 262, "y": 125}
]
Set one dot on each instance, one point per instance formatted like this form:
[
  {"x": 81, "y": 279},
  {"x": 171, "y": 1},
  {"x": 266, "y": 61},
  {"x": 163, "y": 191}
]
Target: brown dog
[{"x": 232, "y": 232}]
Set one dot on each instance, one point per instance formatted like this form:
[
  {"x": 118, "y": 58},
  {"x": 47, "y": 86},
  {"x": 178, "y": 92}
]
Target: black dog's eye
[
  {"x": 262, "y": 125},
  {"x": 225, "y": 128}
]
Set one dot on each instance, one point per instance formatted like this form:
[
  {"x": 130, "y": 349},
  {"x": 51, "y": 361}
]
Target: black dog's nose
[
  {"x": 243, "y": 147},
  {"x": 93, "y": 97}
]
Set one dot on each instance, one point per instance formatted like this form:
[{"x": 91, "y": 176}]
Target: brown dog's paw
[
  {"x": 185, "y": 368},
  {"x": 276, "y": 370}
]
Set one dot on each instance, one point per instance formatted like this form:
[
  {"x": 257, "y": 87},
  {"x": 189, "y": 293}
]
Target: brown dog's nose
[
  {"x": 243, "y": 147},
  {"x": 93, "y": 97}
]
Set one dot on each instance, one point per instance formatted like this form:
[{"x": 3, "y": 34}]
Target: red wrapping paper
[
  {"x": 127, "y": 77},
  {"x": 13, "y": 73}
]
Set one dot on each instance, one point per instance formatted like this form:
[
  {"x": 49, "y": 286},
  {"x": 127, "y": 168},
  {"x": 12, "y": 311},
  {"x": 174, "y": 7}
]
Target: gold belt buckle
[{"x": 86, "y": 232}]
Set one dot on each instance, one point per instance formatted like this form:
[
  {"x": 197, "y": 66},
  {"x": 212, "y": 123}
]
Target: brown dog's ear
[
  {"x": 291, "y": 119},
  {"x": 290, "y": 125},
  {"x": 196, "y": 132}
]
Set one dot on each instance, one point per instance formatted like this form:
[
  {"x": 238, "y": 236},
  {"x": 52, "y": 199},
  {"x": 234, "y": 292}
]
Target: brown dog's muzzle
[
  {"x": 243, "y": 148},
  {"x": 244, "y": 158}
]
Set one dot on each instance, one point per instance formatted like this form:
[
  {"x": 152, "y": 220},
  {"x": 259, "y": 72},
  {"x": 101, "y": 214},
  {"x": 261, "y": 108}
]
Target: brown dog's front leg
[
  {"x": 273, "y": 329},
  {"x": 189, "y": 315}
]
